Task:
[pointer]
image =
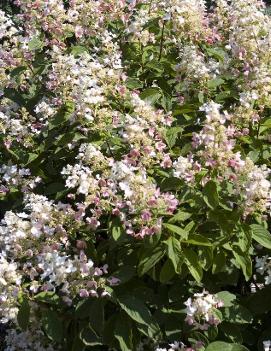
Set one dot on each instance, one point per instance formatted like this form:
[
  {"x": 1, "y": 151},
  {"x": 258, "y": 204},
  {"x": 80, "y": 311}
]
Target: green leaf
[
  {"x": 217, "y": 53},
  {"x": 260, "y": 302},
  {"x": 89, "y": 336},
  {"x": 226, "y": 297},
  {"x": 116, "y": 232},
  {"x": 180, "y": 216},
  {"x": 261, "y": 235},
  {"x": 175, "y": 229},
  {"x": 35, "y": 44},
  {"x": 237, "y": 314},
  {"x": 151, "y": 95},
  {"x": 63, "y": 115},
  {"x": 77, "y": 344},
  {"x": 96, "y": 315},
  {"x": 17, "y": 71},
  {"x": 53, "y": 188},
  {"x": 123, "y": 333},
  {"x": 192, "y": 262},
  {"x": 265, "y": 125},
  {"x": 48, "y": 297},
  {"x": 23, "y": 315},
  {"x": 133, "y": 83},
  {"x": 137, "y": 310},
  {"x": 214, "y": 83},
  {"x": 210, "y": 194},
  {"x": 124, "y": 274},
  {"x": 52, "y": 325},
  {"x": 172, "y": 135},
  {"x": 232, "y": 332},
  {"x": 167, "y": 272},
  {"x": 243, "y": 261},
  {"x": 83, "y": 308},
  {"x": 174, "y": 252},
  {"x": 198, "y": 239},
  {"x": 78, "y": 50},
  {"x": 224, "y": 346},
  {"x": 149, "y": 258}
]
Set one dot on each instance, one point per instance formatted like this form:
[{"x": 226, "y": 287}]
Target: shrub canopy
[{"x": 135, "y": 175}]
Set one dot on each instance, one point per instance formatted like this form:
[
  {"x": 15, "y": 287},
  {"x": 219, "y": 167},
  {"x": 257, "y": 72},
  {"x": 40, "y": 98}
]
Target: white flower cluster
[
  {"x": 193, "y": 67},
  {"x": 34, "y": 247},
  {"x": 80, "y": 177},
  {"x": 188, "y": 17},
  {"x": 33, "y": 339},
  {"x": 215, "y": 145},
  {"x": 176, "y": 346},
  {"x": 257, "y": 189},
  {"x": 267, "y": 345},
  {"x": 7, "y": 28},
  {"x": 45, "y": 110},
  {"x": 84, "y": 79},
  {"x": 122, "y": 190},
  {"x": 263, "y": 266},
  {"x": 186, "y": 168},
  {"x": 10, "y": 285},
  {"x": 201, "y": 310},
  {"x": 12, "y": 176}
]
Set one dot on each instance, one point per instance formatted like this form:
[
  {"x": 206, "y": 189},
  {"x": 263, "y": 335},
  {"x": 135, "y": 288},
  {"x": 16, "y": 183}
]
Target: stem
[
  {"x": 111, "y": 153},
  {"x": 162, "y": 41},
  {"x": 150, "y": 7},
  {"x": 258, "y": 129}
]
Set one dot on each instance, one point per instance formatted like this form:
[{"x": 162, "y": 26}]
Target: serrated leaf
[
  {"x": 63, "y": 115},
  {"x": 124, "y": 274},
  {"x": 133, "y": 83},
  {"x": 48, "y": 297},
  {"x": 78, "y": 50},
  {"x": 172, "y": 135}
]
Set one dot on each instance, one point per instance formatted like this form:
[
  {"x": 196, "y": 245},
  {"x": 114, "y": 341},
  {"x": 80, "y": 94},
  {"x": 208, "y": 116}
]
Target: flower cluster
[
  {"x": 11, "y": 178},
  {"x": 201, "y": 310},
  {"x": 180, "y": 346},
  {"x": 131, "y": 131},
  {"x": 36, "y": 250},
  {"x": 121, "y": 190},
  {"x": 263, "y": 267},
  {"x": 215, "y": 145},
  {"x": 31, "y": 339}
]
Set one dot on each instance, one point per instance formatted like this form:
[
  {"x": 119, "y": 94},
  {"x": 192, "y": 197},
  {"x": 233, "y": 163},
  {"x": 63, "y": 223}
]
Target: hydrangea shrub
[{"x": 135, "y": 170}]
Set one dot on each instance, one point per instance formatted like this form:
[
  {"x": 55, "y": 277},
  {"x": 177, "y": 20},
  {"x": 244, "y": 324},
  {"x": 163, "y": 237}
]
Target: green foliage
[{"x": 207, "y": 243}]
